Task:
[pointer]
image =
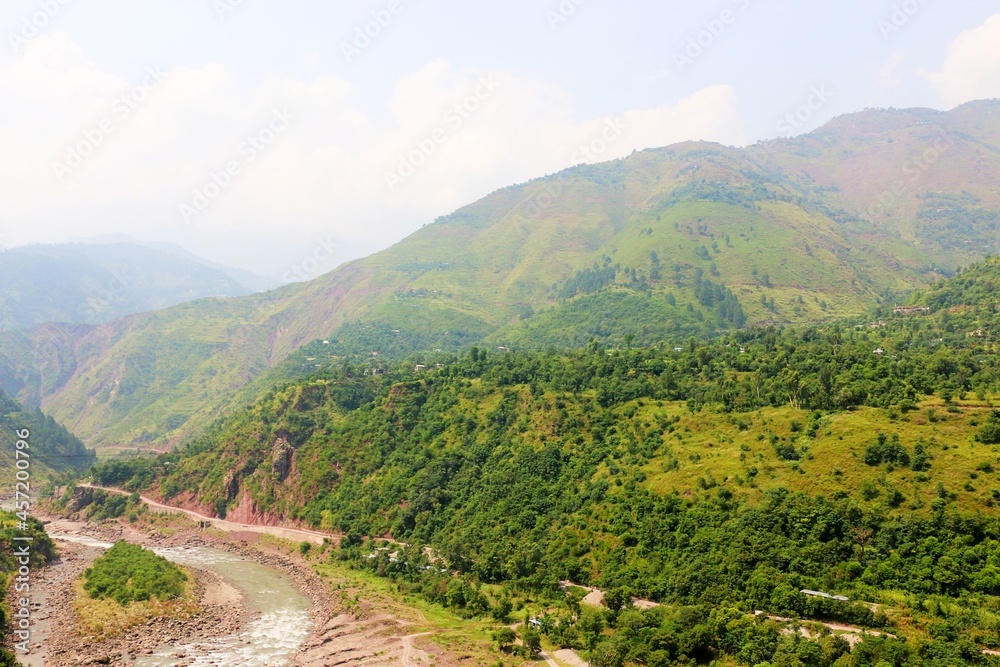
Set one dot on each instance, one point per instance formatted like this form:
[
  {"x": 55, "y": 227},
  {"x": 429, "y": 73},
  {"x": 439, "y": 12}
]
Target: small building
[
  {"x": 420, "y": 367},
  {"x": 878, "y": 352},
  {"x": 910, "y": 310}
]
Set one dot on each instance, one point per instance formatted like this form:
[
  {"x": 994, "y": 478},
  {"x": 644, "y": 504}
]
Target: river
[{"x": 270, "y": 640}]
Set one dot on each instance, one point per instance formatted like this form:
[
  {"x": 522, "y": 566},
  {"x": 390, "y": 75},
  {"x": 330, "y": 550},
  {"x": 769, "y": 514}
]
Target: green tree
[
  {"x": 531, "y": 638},
  {"x": 504, "y": 639}
]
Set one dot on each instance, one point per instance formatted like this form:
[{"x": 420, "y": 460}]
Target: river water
[{"x": 268, "y": 641}]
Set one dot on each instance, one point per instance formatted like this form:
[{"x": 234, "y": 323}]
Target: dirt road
[{"x": 283, "y": 532}]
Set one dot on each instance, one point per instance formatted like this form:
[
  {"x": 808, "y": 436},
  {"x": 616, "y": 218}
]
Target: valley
[
  {"x": 701, "y": 405},
  {"x": 717, "y": 478}
]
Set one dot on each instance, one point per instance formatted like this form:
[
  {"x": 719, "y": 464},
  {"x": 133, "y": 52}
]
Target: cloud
[
  {"x": 972, "y": 65},
  {"x": 889, "y": 73},
  {"x": 322, "y": 176}
]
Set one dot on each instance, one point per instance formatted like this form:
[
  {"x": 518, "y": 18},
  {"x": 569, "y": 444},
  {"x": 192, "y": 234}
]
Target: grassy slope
[{"x": 159, "y": 376}]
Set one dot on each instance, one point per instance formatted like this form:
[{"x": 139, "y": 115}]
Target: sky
[{"x": 288, "y": 137}]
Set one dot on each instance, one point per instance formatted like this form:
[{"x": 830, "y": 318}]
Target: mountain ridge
[
  {"x": 88, "y": 283},
  {"x": 790, "y": 237}
]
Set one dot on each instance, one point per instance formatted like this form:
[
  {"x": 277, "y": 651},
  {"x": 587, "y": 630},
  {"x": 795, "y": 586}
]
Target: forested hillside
[
  {"x": 691, "y": 239},
  {"x": 718, "y": 477},
  {"x": 51, "y": 448}
]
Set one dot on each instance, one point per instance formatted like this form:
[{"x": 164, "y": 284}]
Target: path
[
  {"x": 832, "y": 626},
  {"x": 595, "y": 597},
  {"x": 544, "y": 656},
  {"x": 408, "y": 646},
  {"x": 570, "y": 657},
  {"x": 283, "y": 532}
]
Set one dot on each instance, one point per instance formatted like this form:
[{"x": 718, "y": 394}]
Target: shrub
[
  {"x": 989, "y": 433},
  {"x": 888, "y": 451},
  {"x": 128, "y": 573}
]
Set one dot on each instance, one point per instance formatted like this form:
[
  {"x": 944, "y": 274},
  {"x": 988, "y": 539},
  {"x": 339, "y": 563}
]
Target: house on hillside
[{"x": 910, "y": 310}]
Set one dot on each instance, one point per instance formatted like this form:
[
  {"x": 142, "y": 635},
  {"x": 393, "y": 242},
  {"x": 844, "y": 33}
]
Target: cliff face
[{"x": 247, "y": 512}]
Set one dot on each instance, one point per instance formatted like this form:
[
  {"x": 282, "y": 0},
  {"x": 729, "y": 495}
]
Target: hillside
[
  {"x": 859, "y": 458},
  {"x": 672, "y": 242},
  {"x": 97, "y": 283},
  {"x": 50, "y": 449}
]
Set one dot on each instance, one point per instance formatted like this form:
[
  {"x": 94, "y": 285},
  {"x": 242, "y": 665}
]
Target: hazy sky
[{"x": 260, "y": 133}]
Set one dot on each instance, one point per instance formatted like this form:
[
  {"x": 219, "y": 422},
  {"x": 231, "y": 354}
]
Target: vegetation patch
[
  {"x": 128, "y": 573},
  {"x": 129, "y": 586}
]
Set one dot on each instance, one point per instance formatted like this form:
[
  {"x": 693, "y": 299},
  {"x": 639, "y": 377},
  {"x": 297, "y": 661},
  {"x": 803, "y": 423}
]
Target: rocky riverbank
[
  {"x": 341, "y": 633},
  {"x": 59, "y": 641}
]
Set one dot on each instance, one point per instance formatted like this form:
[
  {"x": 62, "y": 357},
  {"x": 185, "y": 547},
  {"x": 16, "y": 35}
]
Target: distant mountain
[
  {"x": 92, "y": 284},
  {"x": 250, "y": 281},
  {"x": 657, "y": 247}
]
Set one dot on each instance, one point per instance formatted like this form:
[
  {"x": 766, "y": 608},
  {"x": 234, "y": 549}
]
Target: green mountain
[
  {"x": 97, "y": 283},
  {"x": 48, "y": 449},
  {"x": 667, "y": 243},
  {"x": 858, "y": 458}
]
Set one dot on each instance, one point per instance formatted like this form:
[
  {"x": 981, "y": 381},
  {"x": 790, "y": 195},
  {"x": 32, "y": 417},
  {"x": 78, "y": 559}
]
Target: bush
[
  {"x": 128, "y": 573},
  {"x": 886, "y": 451},
  {"x": 989, "y": 433}
]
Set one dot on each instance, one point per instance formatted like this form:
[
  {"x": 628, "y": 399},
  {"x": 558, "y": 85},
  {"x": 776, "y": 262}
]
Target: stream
[{"x": 268, "y": 641}]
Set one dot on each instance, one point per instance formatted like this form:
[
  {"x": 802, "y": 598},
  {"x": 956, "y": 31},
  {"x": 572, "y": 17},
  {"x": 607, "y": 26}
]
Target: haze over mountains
[
  {"x": 97, "y": 283},
  {"x": 668, "y": 242}
]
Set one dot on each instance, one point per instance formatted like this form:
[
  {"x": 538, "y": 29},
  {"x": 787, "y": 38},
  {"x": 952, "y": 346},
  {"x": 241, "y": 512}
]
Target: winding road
[{"x": 283, "y": 532}]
